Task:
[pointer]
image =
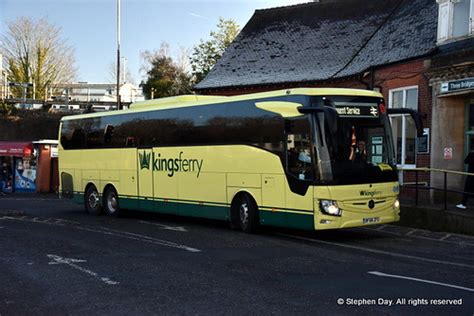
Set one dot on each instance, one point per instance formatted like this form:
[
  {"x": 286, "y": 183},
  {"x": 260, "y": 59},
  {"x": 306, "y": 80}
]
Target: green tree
[
  {"x": 35, "y": 53},
  {"x": 164, "y": 77},
  {"x": 207, "y": 53}
]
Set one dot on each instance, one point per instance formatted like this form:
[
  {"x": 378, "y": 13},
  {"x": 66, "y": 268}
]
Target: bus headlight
[
  {"x": 330, "y": 207},
  {"x": 396, "y": 204}
]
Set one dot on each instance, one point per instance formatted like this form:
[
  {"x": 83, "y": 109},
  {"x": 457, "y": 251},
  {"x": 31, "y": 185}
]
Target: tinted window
[
  {"x": 299, "y": 148},
  {"x": 219, "y": 124}
]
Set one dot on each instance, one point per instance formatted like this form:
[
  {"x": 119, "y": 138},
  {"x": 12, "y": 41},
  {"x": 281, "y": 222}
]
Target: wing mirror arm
[
  {"x": 414, "y": 114},
  {"x": 330, "y": 115}
]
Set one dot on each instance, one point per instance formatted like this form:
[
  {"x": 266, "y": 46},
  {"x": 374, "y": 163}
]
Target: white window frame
[
  {"x": 447, "y": 24},
  {"x": 448, "y": 5},
  {"x": 404, "y": 117}
]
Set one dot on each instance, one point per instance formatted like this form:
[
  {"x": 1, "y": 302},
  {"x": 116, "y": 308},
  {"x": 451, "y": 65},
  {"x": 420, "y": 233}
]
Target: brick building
[
  {"x": 379, "y": 45},
  {"x": 451, "y": 78}
]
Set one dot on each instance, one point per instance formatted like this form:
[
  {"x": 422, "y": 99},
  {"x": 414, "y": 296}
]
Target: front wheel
[
  {"x": 111, "y": 202},
  {"x": 248, "y": 214},
  {"x": 92, "y": 201}
]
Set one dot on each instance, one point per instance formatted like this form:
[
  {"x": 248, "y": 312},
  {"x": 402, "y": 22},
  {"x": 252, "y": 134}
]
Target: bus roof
[{"x": 197, "y": 100}]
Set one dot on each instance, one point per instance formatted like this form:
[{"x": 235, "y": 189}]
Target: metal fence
[{"x": 417, "y": 185}]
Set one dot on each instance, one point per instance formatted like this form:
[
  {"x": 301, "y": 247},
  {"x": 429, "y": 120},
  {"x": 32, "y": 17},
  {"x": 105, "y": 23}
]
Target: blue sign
[
  {"x": 25, "y": 176},
  {"x": 457, "y": 85}
]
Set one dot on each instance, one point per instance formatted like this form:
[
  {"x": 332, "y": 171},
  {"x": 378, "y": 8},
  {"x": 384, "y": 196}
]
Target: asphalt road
[{"x": 56, "y": 259}]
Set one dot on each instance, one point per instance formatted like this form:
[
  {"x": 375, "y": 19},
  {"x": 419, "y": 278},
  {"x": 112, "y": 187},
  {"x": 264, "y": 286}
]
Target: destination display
[{"x": 362, "y": 110}]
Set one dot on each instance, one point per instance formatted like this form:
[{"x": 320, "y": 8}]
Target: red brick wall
[{"x": 404, "y": 75}]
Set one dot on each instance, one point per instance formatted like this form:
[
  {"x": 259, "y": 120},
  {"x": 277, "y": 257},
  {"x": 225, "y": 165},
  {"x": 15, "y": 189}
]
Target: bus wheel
[
  {"x": 111, "y": 202},
  {"x": 248, "y": 214},
  {"x": 92, "y": 201}
]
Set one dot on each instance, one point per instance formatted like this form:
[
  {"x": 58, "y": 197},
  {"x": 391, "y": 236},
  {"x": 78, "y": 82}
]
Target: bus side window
[
  {"x": 130, "y": 141},
  {"x": 299, "y": 157},
  {"x": 77, "y": 139},
  {"x": 108, "y": 134}
]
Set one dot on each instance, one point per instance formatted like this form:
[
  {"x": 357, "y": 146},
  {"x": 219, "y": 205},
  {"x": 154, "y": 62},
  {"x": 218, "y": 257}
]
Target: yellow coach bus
[{"x": 307, "y": 158}]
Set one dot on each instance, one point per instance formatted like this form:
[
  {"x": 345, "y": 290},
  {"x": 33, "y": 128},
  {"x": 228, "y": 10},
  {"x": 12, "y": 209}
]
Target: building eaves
[{"x": 453, "y": 54}]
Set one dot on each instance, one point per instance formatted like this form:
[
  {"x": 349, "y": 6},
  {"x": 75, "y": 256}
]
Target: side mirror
[{"x": 415, "y": 116}]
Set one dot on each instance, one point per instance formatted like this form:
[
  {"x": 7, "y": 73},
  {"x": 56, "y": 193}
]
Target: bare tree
[
  {"x": 125, "y": 74},
  {"x": 183, "y": 59},
  {"x": 147, "y": 57},
  {"x": 35, "y": 53},
  {"x": 163, "y": 75}
]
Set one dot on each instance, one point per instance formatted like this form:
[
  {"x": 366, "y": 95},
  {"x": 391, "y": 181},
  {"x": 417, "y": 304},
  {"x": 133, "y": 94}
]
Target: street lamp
[{"x": 119, "y": 106}]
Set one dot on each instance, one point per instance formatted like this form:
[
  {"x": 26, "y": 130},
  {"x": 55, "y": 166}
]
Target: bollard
[
  {"x": 445, "y": 190},
  {"x": 416, "y": 187}
]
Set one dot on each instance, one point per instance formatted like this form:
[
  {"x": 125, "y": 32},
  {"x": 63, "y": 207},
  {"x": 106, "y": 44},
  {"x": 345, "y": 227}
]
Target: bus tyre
[
  {"x": 111, "y": 202},
  {"x": 92, "y": 201},
  {"x": 248, "y": 214}
]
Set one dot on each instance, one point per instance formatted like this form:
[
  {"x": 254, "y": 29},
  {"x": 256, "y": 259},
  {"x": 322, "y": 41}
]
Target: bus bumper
[
  {"x": 355, "y": 219},
  {"x": 344, "y": 206}
]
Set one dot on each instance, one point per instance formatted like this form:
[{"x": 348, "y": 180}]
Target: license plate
[{"x": 370, "y": 220}]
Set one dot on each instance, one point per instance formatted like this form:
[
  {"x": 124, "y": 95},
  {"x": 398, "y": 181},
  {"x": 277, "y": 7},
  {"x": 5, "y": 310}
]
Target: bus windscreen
[{"x": 360, "y": 149}]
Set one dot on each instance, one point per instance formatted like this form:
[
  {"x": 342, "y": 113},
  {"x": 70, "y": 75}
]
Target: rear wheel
[
  {"x": 248, "y": 213},
  {"x": 111, "y": 202},
  {"x": 92, "y": 201}
]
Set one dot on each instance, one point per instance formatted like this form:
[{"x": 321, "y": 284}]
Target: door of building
[{"x": 469, "y": 131}]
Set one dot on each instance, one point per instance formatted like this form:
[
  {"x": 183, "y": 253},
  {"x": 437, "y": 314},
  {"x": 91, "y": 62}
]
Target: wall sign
[
  {"x": 457, "y": 85},
  {"x": 54, "y": 151},
  {"x": 448, "y": 153},
  {"x": 423, "y": 142}
]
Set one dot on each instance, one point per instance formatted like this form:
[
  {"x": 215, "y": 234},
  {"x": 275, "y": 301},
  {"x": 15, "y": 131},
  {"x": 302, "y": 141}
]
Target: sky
[{"x": 90, "y": 26}]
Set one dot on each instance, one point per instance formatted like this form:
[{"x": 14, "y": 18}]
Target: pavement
[
  {"x": 433, "y": 216},
  {"x": 56, "y": 259}
]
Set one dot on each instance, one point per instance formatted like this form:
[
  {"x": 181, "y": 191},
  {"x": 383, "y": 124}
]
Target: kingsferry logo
[
  {"x": 170, "y": 165},
  {"x": 370, "y": 193},
  {"x": 144, "y": 160}
]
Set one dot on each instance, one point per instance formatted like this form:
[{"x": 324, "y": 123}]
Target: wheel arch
[
  {"x": 242, "y": 192},
  {"x": 89, "y": 184},
  {"x": 109, "y": 185},
  {"x": 238, "y": 193}
]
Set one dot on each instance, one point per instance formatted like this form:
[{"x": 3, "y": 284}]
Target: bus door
[
  {"x": 145, "y": 178},
  {"x": 165, "y": 185}
]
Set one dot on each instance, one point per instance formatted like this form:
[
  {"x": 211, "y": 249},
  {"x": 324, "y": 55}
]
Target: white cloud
[{"x": 198, "y": 16}]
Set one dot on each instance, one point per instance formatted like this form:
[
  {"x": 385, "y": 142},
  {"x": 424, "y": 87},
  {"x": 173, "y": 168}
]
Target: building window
[
  {"x": 403, "y": 126},
  {"x": 455, "y": 19}
]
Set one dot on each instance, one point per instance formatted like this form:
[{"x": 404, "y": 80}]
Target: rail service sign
[{"x": 362, "y": 110}]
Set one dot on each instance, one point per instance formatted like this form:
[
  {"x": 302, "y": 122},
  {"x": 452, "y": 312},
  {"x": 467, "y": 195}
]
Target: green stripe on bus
[
  {"x": 206, "y": 211},
  {"x": 176, "y": 208},
  {"x": 78, "y": 198},
  {"x": 289, "y": 220},
  {"x": 267, "y": 218}
]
